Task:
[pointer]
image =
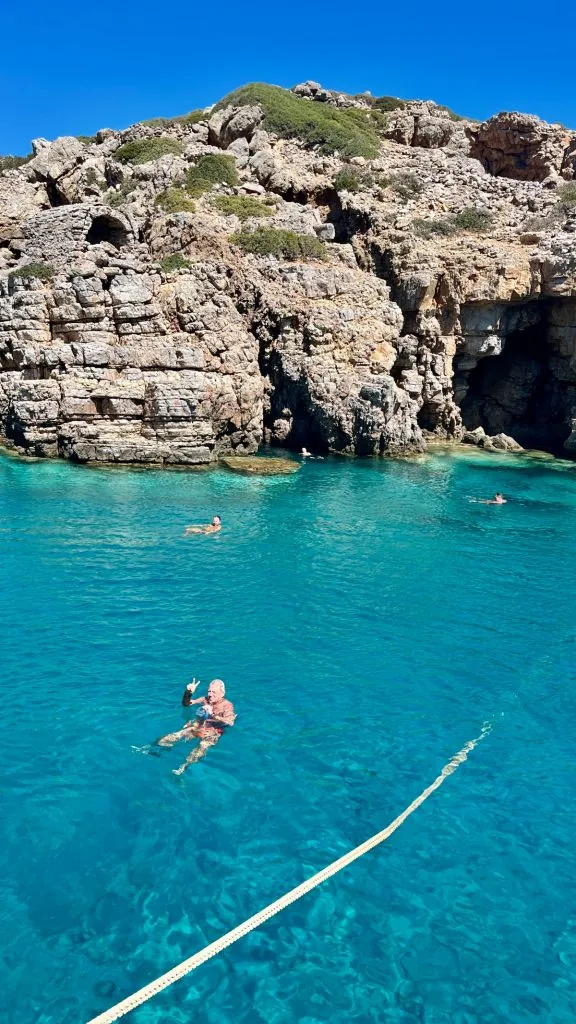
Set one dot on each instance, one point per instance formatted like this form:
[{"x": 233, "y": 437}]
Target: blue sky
[{"x": 71, "y": 68}]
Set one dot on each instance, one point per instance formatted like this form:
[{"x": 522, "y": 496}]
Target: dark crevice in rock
[
  {"x": 384, "y": 268},
  {"x": 55, "y": 197},
  {"x": 517, "y": 391},
  {"x": 290, "y": 419},
  {"x": 429, "y": 417},
  {"x": 293, "y": 195},
  {"x": 347, "y": 223}
]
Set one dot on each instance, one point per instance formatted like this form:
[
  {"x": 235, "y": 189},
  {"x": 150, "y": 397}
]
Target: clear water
[{"x": 367, "y": 619}]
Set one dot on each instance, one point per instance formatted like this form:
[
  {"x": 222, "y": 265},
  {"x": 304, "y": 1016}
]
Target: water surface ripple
[{"x": 367, "y": 618}]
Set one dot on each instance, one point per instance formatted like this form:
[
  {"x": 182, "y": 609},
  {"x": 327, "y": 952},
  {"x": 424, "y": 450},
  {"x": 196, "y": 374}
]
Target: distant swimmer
[
  {"x": 498, "y": 499},
  {"x": 215, "y": 714},
  {"x": 214, "y": 527},
  {"x": 308, "y": 455}
]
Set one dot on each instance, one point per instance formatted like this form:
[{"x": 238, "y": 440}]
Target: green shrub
[
  {"x": 374, "y": 119},
  {"x": 10, "y": 163},
  {"x": 242, "y": 206},
  {"x": 547, "y": 221},
  {"x": 567, "y": 193},
  {"x": 405, "y": 185},
  {"x": 142, "y": 151},
  {"x": 428, "y": 228},
  {"x": 451, "y": 113},
  {"x": 388, "y": 103},
  {"x": 86, "y": 140},
  {"x": 120, "y": 196},
  {"x": 469, "y": 219},
  {"x": 183, "y": 119},
  {"x": 279, "y": 242},
  {"x": 472, "y": 219},
  {"x": 175, "y": 200},
  {"x": 347, "y": 180},
  {"x": 174, "y": 262},
  {"x": 42, "y": 271},
  {"x": 348, "y": 131},
  {"x": 193, "y": 117},
  {"x": 355, "y": 179},
  {"x": 211, "y": 169}
]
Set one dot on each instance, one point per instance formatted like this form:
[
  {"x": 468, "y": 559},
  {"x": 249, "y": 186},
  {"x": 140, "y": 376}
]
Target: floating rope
[{"x": 143, "y": 994}]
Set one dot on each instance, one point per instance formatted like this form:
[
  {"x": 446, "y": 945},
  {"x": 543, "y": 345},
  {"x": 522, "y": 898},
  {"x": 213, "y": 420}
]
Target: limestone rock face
[
  {"x": 521, "y": 146},
  {"x": 441, "y": 304},
  {"x": 427, "y": 126},
  {"x": 53, "y": 159}
]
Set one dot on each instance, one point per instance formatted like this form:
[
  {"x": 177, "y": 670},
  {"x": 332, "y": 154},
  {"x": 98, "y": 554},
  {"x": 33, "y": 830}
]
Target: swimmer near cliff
[
  {"x": 214, "y": 715},
  {"x": 214, "y": 527}
]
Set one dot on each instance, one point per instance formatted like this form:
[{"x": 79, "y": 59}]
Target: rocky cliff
[{"x": 305, "y": 267}]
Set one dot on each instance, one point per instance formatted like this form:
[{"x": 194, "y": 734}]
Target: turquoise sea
[{"x": 368, "y": 618}]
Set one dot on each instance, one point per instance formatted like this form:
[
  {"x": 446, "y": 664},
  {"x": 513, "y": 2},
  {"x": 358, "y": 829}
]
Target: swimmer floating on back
[
  {"x": 214, "y": 527},
  {"x": 308, "y": 455},
  {"x": 215, "y": 714}
]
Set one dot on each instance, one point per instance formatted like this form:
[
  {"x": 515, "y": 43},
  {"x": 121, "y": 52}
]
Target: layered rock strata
[{"x": 445, "y": 301}]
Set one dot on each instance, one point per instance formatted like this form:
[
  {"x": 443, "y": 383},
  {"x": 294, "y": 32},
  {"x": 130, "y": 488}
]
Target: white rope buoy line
[{"x": 184, "y": 968}]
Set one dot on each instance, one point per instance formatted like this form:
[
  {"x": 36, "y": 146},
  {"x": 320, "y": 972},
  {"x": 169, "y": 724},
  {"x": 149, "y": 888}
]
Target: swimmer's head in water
[
  {"x": 217, "y": 521},
  {"x": 216, "y": 689}
]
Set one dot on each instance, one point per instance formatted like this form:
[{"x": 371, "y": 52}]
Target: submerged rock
[{"x": 261, "y": 466}]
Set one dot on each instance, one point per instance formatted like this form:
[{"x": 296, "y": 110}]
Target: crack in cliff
[{"x": 519, "y": 391}]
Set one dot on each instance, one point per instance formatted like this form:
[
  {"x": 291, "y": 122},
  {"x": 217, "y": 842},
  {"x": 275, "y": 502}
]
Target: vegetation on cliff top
[
  {"x": 389, "y": 103},
  {"x": 278, "y": 242},
  {"x": 142, "y": 151},
  {"x": 349, "y": 131},
  {"x": 165, "y": 122},
  {"x": 211, "y": 169},
  {"x": 10, "y": 163}
]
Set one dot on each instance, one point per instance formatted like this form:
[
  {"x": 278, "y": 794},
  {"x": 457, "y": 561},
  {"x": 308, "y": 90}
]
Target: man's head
[
  {"x": 216, "y": 690},
  {"x": 216, "y": 521}
]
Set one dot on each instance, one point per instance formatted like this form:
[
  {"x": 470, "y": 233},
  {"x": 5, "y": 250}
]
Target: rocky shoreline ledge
[{"x": 292, "y": 268}]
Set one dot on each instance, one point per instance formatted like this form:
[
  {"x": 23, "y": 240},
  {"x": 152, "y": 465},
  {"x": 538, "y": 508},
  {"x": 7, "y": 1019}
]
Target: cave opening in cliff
[
  {"x": 516, "y": 393},
  {"x": 107, "y": 229}
]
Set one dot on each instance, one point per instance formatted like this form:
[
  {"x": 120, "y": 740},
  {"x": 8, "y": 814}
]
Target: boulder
[
  {"x": 501, "y": 442},
  {"x": 261, "y": 466},
  {"x": 54, "y": 159},
  {"x": 520, "y": 146},
  {"x": 231, "y": 123}
]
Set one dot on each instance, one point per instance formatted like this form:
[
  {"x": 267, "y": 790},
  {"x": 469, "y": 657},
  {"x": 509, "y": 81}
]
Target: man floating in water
[
  {"x": 214, "y": 527},
  {"x": 498, "y": 499},
  {"x": 215, "y": 714}
]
